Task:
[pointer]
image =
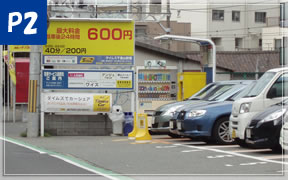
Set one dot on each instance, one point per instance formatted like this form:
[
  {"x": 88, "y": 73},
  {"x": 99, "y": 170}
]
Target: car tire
[
  {"x": 221, "y": 132},
  {"x": 277, "y": 148},
  {"x": 241, "y": 143},
  {"x": 174, "y": 135}
]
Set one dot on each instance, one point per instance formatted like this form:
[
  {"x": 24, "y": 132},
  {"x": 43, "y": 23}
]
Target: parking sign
[{"x": 23, "y": 22}]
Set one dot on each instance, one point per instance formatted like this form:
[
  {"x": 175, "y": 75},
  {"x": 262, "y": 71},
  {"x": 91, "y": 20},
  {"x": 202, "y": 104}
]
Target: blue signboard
[
  {"x": 88, "y": 60},
  {"x": 87, "y": 79},
  {"x": 23, "y": 22}
]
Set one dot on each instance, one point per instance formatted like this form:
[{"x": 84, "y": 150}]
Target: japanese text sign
[
  {"x": 87, "y": 79},
  {"x": 90, "y": 42},
  {"x": 77, "y": 102}
]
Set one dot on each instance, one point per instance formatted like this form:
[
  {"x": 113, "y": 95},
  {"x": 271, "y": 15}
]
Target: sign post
[{"x": 102, "y": 51}]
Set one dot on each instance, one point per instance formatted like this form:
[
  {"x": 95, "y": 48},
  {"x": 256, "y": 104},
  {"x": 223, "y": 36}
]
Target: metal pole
[
  {"x": 1, "y": 84},
  {"x": 8, "y": 85},
  {"x": 33, "y": 101},
  {"x": 14, "y": 102},
  {"x": 192, "y": 39},
  {"x": 4, "y": 89}
]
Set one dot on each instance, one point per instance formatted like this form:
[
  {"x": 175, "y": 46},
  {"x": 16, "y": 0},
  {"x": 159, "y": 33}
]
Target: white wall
[{"x": 269, "y": 35}]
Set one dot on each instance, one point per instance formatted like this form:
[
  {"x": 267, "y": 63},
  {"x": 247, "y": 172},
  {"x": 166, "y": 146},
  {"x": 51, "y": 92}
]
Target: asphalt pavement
[
  {"x": 163, "y": 156},
  {"x": 19, "y": 160}
]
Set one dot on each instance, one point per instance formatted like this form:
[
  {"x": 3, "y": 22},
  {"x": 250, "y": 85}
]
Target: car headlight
[
  {"x": 171, "y": 110},
  {"x": 196, "y": 113},
  {"x": 245, "y": 107},
  {"x": 273, "y": 117}
]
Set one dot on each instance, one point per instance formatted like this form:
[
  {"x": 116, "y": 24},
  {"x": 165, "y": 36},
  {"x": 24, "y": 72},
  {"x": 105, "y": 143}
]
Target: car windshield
[
  {"x": 261, "y": 83},
  {"x": 243, "y": 92},
  {"x": 219, "y": 90},
  {"x": 203, "y": 92}
]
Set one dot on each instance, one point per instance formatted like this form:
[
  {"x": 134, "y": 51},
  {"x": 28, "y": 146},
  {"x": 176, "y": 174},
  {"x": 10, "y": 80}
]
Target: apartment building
[{"x": 232, "y": 25}]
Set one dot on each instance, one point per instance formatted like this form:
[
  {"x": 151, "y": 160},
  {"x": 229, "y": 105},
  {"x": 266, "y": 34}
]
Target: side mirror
[{"x": 272, "y": 93}]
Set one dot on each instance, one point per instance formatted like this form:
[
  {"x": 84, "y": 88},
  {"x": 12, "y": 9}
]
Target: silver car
[{"x": 163, "y": 114}]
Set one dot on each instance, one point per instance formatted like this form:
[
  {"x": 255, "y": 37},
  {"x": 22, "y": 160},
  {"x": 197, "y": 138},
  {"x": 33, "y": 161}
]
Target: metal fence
[{"x": 243, "y": 75}]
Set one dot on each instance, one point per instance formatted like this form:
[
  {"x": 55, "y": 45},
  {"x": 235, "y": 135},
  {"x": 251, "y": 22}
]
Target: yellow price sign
[
  {"x": 102, "y": 103},
  {"x": 124, "y": 84},
  {"x": 86, "y": 38}
]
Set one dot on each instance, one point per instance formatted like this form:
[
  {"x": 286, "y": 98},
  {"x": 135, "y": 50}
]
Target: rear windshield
[
  {"x": 203, "y": 92},
  {"x": 217, "y": 91}
]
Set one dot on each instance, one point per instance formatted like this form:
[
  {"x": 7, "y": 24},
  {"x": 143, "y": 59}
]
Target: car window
[
  {"x": 281, "y": 86},
  {"x": 243, "y": 92},
  {"x": 203, "y": 92},
  {"x": 218, "y": 91},
  {"x": 261, "y": 84}
]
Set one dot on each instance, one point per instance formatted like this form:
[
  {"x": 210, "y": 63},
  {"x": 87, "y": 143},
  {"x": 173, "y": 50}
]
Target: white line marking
[
  {"x": 233, "y": 153},
  {"x": 222, "y": 146},
  {"x": 187, "y": 151},
  {"x": 62, "y": 158},
  {"x": 252, "y": 163},
  {"x": 251, "y": 150},
  {"x": 165, "y": 147},
  {"x": 228, "y": 165},
  {"x": 219, "y": 156}
]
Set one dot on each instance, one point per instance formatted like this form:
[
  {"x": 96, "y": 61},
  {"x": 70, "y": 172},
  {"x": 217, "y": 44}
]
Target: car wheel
[
  {"x": 221, "y": 131},
  {"x": 174, "y": 135}
]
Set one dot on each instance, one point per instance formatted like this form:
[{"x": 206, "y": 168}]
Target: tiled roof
[
  {"x": 241, "y": 61},
  {"x": 236, "y": 61}
]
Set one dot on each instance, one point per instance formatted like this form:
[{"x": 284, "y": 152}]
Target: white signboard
[
  {"x": 60, "y": 59},
  {"x": 99, "y": 80},
  {"x": 77, "y": 102}
]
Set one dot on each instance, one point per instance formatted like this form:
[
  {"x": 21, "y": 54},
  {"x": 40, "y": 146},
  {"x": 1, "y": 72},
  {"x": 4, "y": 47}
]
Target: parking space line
[
  {"x": 71, "y": 160},
  {"x": 233, "y": 153},
  {"x": 251, "y": 150},
  {"x": 120, "y": 140},
  {"x": 222, "y": 146},
  {"x": 276, "y": 157},
  {"x": 159, "y": 141}
]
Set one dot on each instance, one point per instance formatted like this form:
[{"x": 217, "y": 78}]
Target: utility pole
[
  {"x": 1, "y": 84},
  {"x": 34, "y": 92},
  {"x": 168, "y": 18}
]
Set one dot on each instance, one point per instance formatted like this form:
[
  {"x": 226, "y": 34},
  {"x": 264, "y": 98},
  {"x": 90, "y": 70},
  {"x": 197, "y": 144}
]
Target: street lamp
[{"x": 195, "y": 40}]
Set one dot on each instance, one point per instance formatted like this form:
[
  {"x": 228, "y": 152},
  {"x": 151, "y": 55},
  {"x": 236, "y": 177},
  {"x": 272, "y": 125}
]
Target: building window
[
  {"x": 218, "y": 15},
  {"x": 277, "y": 45},
  {"x": 236, "y": 16},
  {"x": 216, "y": 40},
  {"x": 238, "y": 43},
  {"x": 260, "y": 17},
  {"x": 155, "y": 6},
  {"x": 260, "y": 43}
]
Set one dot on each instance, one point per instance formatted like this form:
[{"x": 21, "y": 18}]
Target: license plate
[
  {"x": 233, "y": 134},
  {"x": 153, "y": 120},
  {"x": 248, "y": 133},
  {"x": 179, "y": 126},
  {"x": 171, "y": 124}
]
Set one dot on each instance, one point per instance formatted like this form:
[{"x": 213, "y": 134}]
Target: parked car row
[{"x": 248, "y": 113}]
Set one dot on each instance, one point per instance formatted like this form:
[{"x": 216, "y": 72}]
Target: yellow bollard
[
  {"x": 132, "y": 134},
  {"x": 142, "y": 135}
]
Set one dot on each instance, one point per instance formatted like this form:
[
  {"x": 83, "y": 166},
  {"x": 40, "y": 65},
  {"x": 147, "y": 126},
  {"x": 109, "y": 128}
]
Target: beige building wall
[{"x": 271, "y": 35}]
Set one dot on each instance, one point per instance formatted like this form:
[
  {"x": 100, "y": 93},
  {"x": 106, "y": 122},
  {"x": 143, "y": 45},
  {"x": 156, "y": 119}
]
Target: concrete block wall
[{"x": 76, "y": 125}]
